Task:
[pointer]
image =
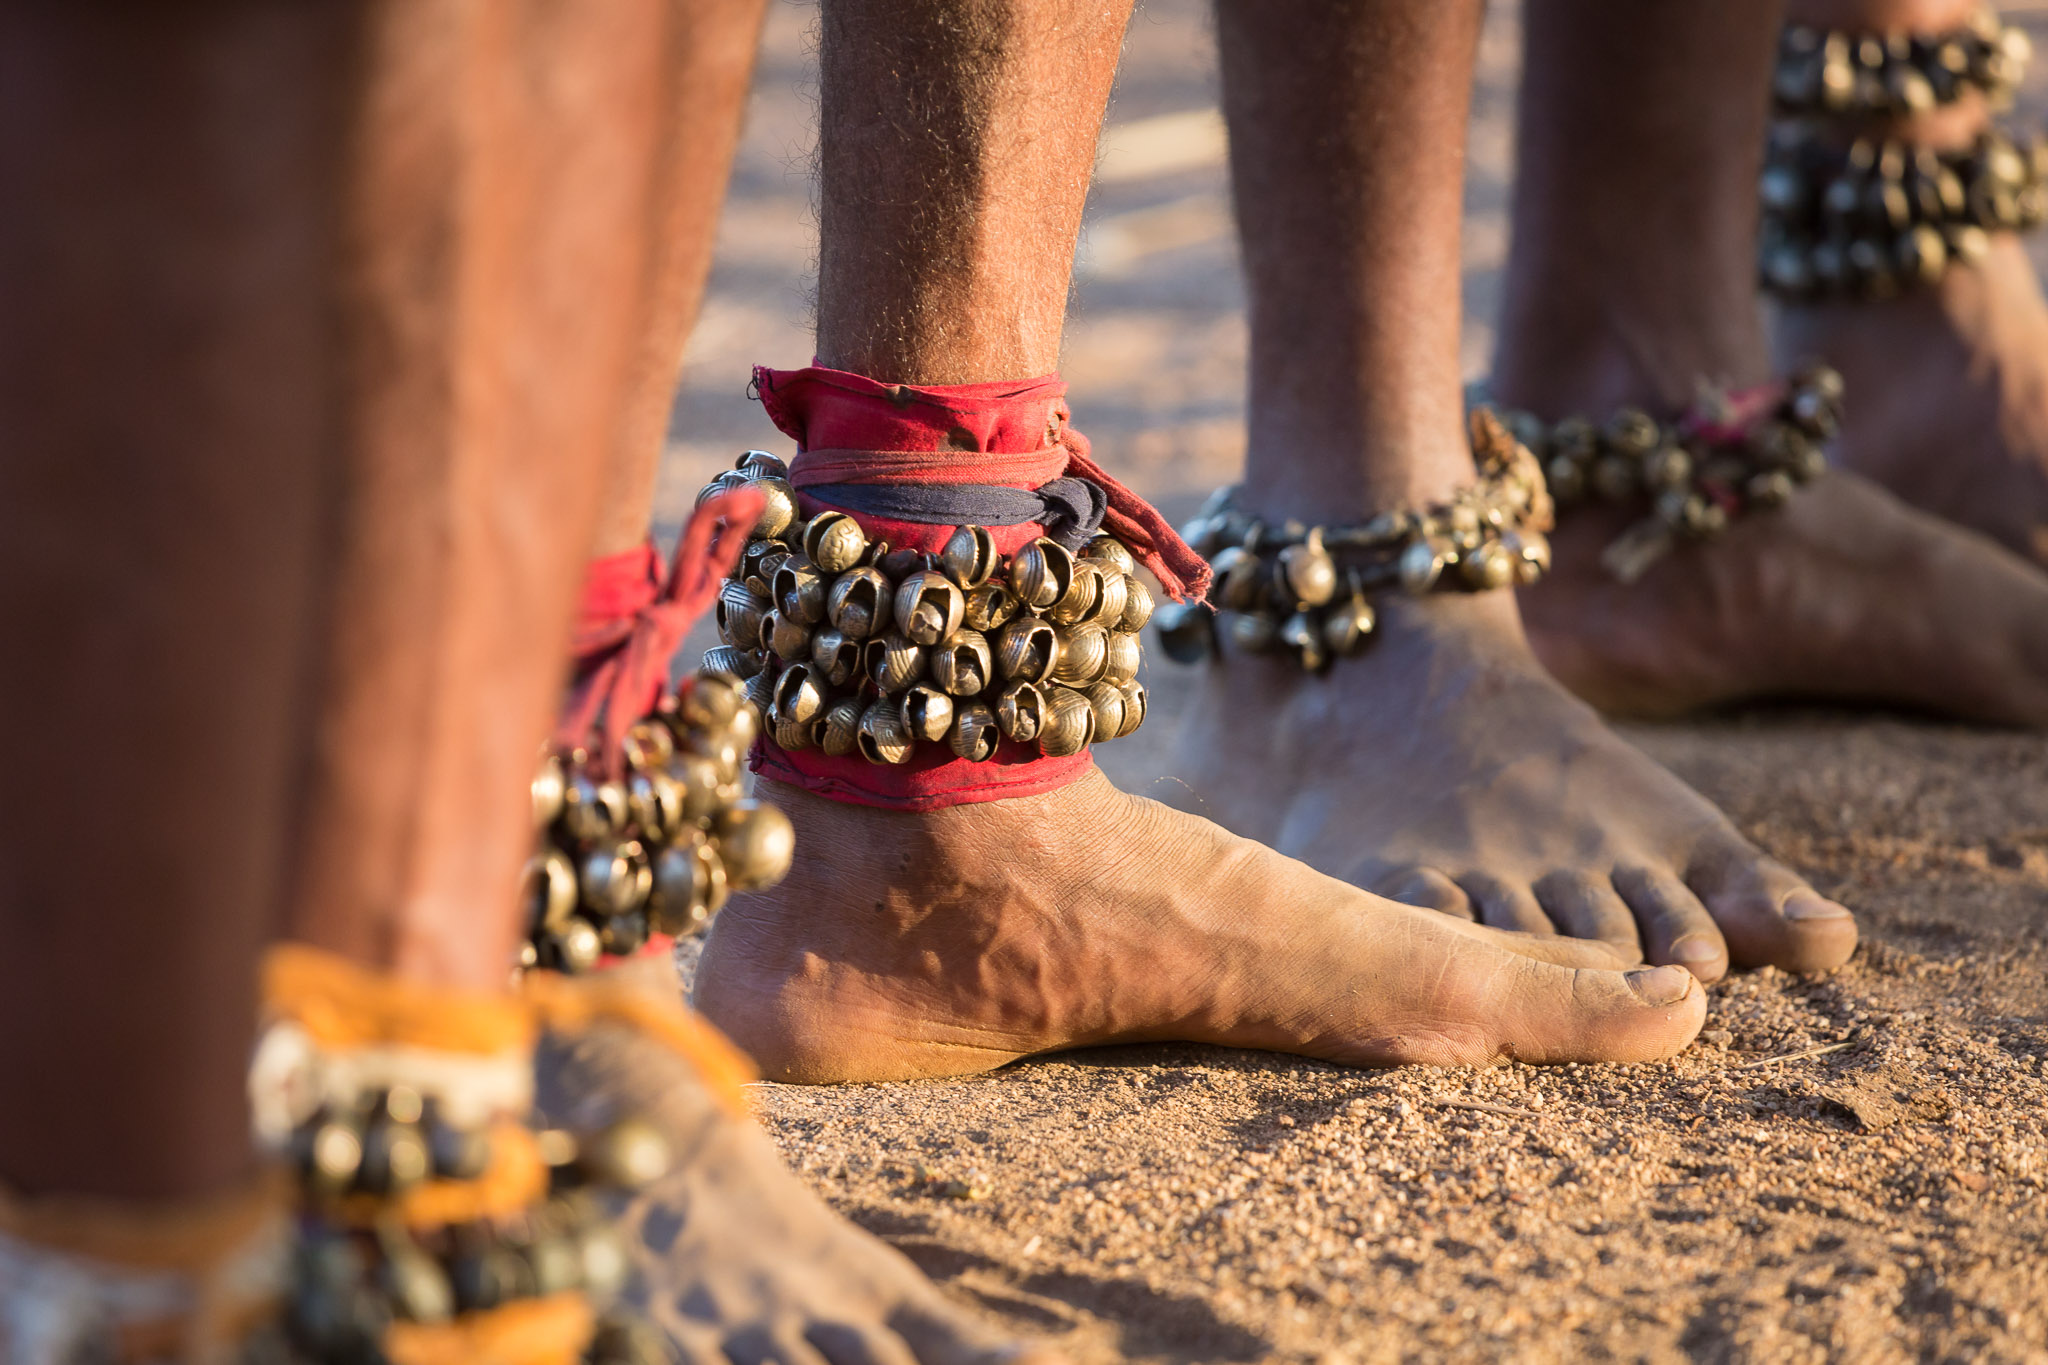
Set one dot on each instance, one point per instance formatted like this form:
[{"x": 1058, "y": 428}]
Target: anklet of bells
[
  {"x": 849, "y": 646},
  {"x": 1875, "y": 75},
  {"x": 1728, "y": 455},
  {"x": 1307, "y": 590}
]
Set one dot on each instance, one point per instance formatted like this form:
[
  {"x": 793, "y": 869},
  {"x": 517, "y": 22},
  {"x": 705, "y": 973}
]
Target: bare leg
[
  {"x": 960, "y": 940},
  {"x": 1632, "y": 277}
]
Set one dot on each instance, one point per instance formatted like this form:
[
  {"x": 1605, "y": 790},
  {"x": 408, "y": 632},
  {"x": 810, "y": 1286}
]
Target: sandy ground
[{"x": 1845, "y": 1168}]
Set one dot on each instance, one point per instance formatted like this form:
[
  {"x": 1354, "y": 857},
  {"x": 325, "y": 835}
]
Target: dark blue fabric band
[{"x": 1071, "y": 510}]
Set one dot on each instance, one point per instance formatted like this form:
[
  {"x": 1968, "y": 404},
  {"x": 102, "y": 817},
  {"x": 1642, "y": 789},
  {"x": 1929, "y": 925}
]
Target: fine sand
[{"x": 1852, "y": 1167}]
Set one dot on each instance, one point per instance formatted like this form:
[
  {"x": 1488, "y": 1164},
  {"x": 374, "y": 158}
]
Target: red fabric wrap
[{"x": 849, "y": 429}]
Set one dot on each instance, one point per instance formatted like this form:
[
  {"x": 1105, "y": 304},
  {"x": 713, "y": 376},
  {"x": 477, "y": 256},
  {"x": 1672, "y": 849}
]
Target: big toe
[{"x": 1585, "y": 1014}]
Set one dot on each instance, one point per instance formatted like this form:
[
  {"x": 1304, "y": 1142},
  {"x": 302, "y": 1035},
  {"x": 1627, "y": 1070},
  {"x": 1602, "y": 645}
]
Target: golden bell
[
  {"x": 963, "y": 664},
  {"x": 1531, "y": 552},
  {"x": 1020, "y": 711},
  {"x": 1300, "y": 633},
  {"x": 614, "y": 880},
  {"x": 928, "y": 607},
  {"x": 835, "y": 656},
  {"x": 756, "y": 843},
  {"x": 799, "y": 591},
  {"x": 731, "y": 478},
  {"x": 1771, "y": 488},
  {"x": 1237, "y": 578},
  {"x": 839, "y": 731},
  {"x": 778, "y": 510},
  {"x": 990, "y": 606},
  {"x": 648, "y": 745},
  {"x": 1126, "y": 653},
  {"x": 763, "y": 576},
  {"x": 1631, "y": 431},
  {"x": 1135, "y": 701},
  {"x": 623, "y": 935},
  {"x": 760, "y": 464},
  {"x": 1027, "y": 649},
  {"x": 1490, "y": 566},
  {"x": 857, "y": 603},
  {"x": 1110, "y": 602},
  {"x": 1187, "y": 631},
  {"x": 742, "y": 730},
  {"x": 1666, "y": 467},
  {"x": 974, "y": 734},
  {"x": 575, "y": 947},
  {"x": 698, "y": 778},
  {"x": 1566, "y": 478},
  {"x": 630, "y": 1155},
  {"x": 550, "y": 785},
  {"x": 795, "y": 734},
  {"x": 592, "y": 810},
  {"x": 927, "y": 712},
  {"x": 732, "y": 662},
  {"x": 1110, "y": 555},
  {"x": 1422, "y": 563},
  {"x": 760, "y": 693},
  {"x": 834, "y": 542},
  {"x": 690, "y": 886},
  {"x": 1083, "y": 598},
  {"x": 882, "y": 736},
  {"x": 893, "y": 663},
  {"x": 786, "y": 637},
  {"x": 549, "y": 889},
  {"x": 969, "y": 558},
  {"x": 713, "y": 698},
  {"x": 1252, "y": 632},
  {"x": 1348, "y": 625},
  {"x": 799, "y": 694},
  {"x": 1308, "y": 571},
  {"x": 1069, "y": 724},
  {"x": 740, "y": 613},
  {"x": 751, "y": 557},
  {"x": 1041, "y": 573},
  {"x": 1107, "y": 701},
  {"x": 1137, "y": 605},
  {"x": 656, "y": 801}
]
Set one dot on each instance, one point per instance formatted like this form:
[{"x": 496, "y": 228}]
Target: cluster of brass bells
[
  {"x": 659, "y": 850},
  {"x": 1695, "y": 477},
  {"x": 849, "y": 646},
  {"x": 1876, "y": 216},
  {"x": 358, "y": 1271},
  {"x": 1870, "y": 75},
  {"x": 1307, "y": 590}
]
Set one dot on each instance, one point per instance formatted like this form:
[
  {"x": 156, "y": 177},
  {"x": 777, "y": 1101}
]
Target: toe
[
  {"x": 1585, "y": 906},
  {"x": 781, "y": 1343},
  {"x": 1584, "y": 1014},
  {"x": 1425, "y": 887},
  {"x": 846, "y": 1343},
  {"x": 1676, "y": 927},
  {"x": 1768, "y": 914},
  {"x": 1506, "y": 904}
]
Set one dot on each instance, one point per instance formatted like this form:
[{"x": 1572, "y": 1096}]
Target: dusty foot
[
  {"x": 1947, "y": 394},
  {"x": 1844, "y": 593},
  {"x": 1443, "y": 767},
  {"x": 733, "y": 1259},
  {"x": 954, "y": 942}
]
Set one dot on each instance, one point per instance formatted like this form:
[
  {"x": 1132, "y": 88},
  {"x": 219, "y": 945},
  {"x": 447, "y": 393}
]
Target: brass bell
[
  {"x": 893, "y": 663},
  {"x": 740, "y": 613},
  {"x": 698, "y": 778},
  {"x": 630, "y": 1155},
  {"x": 969, "y": 558},
  {"x": 1110, "y": 555},
  {"x": 1348, "y": 625},
  {"x": 656, "y": 802},
  {"x": 799, "y": 694},
  {"x": 1237, "y": 578},
  {"x": 974, "y": 734},
  {"x": 729, "y": 479},
  {"x": 1187, "y": 631},
  {"x": 1020, "y": 711},
  {"x": 550, "y": 784},
  {"x": 1667, "y": 466},
  {"x": 1632, "y": 432},
  {"x": 690, "y": 887},
  {"x": 927, "y": 712},
  {"x": 835, "y": 656},
  {"x": 575, "y": 947},
  {"x": 786, "y": 638},
  {"x": 963, "y": 664},
  {"x": 1041, "y": 573},
  {"x": 990, "y": 606},
  {"x": 1107, "y": 701},
  {"x": 928, "y": 607},
  {"x": 1137, "y": 605},
  {"x": 1069, "y": 724},
  {"x": 1111, "y": 599},
  {"x": 648, "y": 745},
  {"x": 799, "y": 591},
  {"x": 1308, "y": 571},
  {"x": 1771, "y": 488},
  {"x": 1300, "y": 633},
  {"x": 778, "y": 510},
  {"x": 834, "y": 542},
  {"x": 593, "y": 810},
  {"x": 858, "y": 603},
  {"x": 839, "y": 731},
  {"x": 760, "y": 464},
  {"x": 761, "y": 581},
  {"x": 614, "y": 880},
  {"x": 329, "y": 1153},
  {"x": 1135, "y": 701},
  {"x": 1027, "y": 649},
  {"x": 623, "y": 935},
  {"x": 1421, "y": 564},
  {"x": 733, "y": 662},
  {"x": 751, "y": 557},
  {"x": 882, "y": 736},
  {"x": 1531, "y": 552},
  {"x": 792, "y": 735},
  {"x": 1566, "y": 478},
  {"x": 1616, "y": 478},
  {"x": 1252, "y": 632},
  {"x": 756, "y": 843},
  {"x": 1489, "y": 567},
  {"x": 1126, "y": 653},
  {"x": 760, "y": 693},
  {"x": 1083, "y": 598}
]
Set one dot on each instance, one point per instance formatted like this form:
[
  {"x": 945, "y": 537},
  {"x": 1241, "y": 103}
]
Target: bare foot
[
  {"x": 1445, "y": 768},
  {"x": 924, "y": 945},
  {"x": 1947, "y": 393},
  {"x": 733, "y": 1259},
  {"x": 1843, "y": 593}
]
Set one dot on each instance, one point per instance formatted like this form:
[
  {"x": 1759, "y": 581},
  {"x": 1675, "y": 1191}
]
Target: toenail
[
  {"x": 1661, "y": 985},
  {"x": 1697, "y": 948},
  {"x": 1807, "y": 906}
]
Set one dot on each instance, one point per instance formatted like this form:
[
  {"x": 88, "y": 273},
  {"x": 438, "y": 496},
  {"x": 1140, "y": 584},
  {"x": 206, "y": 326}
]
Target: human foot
[
  {"x": 1445, "y": 768},
  {"x": 954, "y": 942},
  {"x": 733, "y": 1259},
  {"x": 1948, "y": 393}
]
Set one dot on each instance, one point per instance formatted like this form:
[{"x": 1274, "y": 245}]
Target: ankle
[{"x": 1638, "y": 351}]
